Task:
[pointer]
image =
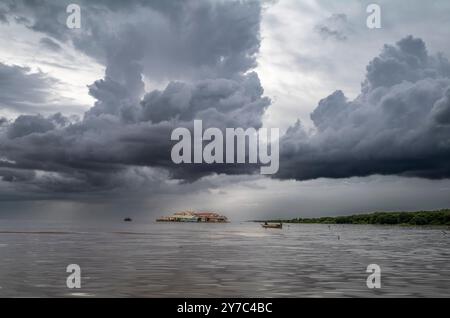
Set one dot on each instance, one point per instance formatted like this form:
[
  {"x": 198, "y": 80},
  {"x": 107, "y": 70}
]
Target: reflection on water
[{"x": 232, "y": 260}]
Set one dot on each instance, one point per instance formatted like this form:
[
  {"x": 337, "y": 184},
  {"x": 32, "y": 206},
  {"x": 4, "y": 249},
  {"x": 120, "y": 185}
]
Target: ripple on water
[{"x": 231, "y": 260}]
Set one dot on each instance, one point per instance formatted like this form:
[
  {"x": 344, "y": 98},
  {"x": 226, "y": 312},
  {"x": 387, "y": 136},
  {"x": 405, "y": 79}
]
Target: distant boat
[
  {"x": 272, "y": 226},
  {"x": 127, "y": 219}
]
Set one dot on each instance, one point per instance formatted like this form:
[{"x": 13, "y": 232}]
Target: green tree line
[{"x": 441, "y": 217}]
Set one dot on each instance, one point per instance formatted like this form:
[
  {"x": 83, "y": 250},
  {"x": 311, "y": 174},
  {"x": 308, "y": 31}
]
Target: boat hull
[{"x": 272, "y": 226}]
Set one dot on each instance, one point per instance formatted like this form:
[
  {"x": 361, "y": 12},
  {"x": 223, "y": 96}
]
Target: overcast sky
[{"x": 86, "y": 114}]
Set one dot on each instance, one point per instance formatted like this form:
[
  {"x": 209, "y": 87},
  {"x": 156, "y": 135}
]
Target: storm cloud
[
  {"x": 177, "y": 39},
  {"x": 128, "y": 129},
  {"x": 202, "y": 55},
  {"x": 398, "y": 125}
]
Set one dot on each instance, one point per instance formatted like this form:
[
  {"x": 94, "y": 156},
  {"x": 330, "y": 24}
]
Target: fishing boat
[{"x": 272, "y": 226}]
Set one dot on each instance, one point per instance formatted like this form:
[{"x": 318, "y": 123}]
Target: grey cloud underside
[
  {"x": 116, "y": 134},
  {"x": 169, "y": 39},
  {"x": 398, "y": 125},
  {"x": 3, "y": 18}
]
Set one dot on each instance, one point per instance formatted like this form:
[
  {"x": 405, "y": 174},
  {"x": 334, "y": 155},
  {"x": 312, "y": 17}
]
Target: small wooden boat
[{"x": 272, "y": 226}]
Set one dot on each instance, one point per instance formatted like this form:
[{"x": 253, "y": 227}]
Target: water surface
[{"x": 221, "y": 260}]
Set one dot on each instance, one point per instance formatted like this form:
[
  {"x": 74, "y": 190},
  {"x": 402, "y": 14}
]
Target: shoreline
[{"x": 418, "y": 218}]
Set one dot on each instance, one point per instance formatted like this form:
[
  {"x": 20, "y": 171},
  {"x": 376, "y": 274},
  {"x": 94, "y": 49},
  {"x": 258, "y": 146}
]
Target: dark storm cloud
[
  {"x": 116, "y": 134},
  {"x": 209, "y": 45},
  {"x": 441, "y": 110},
  {"x": 207, "y": 49},
  {"x": 16, "y": 175},
  {"x": 399, "y": 124},
  {"x": 22, "y": 89},
  {"x": 170, "y": 39},
  {"x": 220, "y": 102},
  {"x": 25, "y": 125}
]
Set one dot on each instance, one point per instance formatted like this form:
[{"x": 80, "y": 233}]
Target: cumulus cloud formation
[
  {"x": 399, "y": 124},
  {"x": 206, "y": 52},
  {"x": 116, "y": 134},
  {"x": 176, "y": 39},
  {"x": 210, "y": 47}
]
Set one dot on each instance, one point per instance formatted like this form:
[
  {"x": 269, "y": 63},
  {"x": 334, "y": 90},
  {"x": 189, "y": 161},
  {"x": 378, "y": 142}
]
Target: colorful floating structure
[{"x": 190, "y": 216}]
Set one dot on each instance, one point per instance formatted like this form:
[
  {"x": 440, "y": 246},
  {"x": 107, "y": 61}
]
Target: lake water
[{"x": 214, "y": 260}]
